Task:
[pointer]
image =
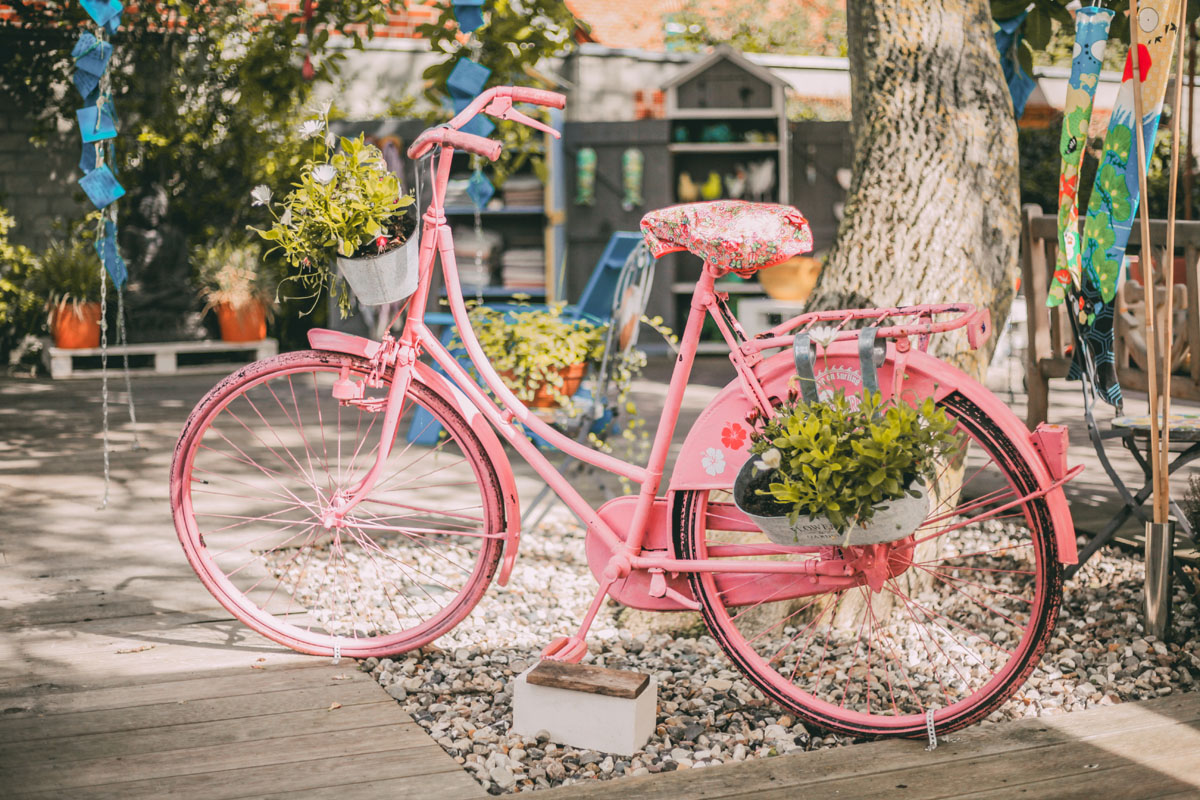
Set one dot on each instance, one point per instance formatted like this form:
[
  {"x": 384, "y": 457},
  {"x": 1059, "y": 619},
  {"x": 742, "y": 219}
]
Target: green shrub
[{"x": 20, "y": 309}]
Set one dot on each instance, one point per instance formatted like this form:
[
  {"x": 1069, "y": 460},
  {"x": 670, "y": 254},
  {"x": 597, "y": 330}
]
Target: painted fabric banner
[
  {"x": 1091, "y": 38},
  {"x": 1114, "y": 202}
]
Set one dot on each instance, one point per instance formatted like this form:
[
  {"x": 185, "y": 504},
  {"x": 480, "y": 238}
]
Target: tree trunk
[{"x": 933, "y": 210}]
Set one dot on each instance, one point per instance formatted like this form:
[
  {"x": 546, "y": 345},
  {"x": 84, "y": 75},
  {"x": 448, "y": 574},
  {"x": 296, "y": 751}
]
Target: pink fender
[
  {"x": 338, "y": 342},
  {"x": 718, "y": 443}
]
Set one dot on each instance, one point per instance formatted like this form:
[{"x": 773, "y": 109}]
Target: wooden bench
[
  {"x": 1048, "y": 354},
  {"x": 64, "y": 363}
]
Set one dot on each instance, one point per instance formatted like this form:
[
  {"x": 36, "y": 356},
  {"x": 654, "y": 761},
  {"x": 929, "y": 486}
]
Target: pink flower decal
[{"x": 733, "y": 436}]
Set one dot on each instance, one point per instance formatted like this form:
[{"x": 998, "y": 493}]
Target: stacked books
[
  {"x": 523, "y": 190},
  {"x": 476, "y": 256},
  {"x": 524, "y": 268}
]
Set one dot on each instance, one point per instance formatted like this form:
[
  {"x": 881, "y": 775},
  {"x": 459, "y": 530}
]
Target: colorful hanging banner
[
  {"x": 1091, "y": 38},
  {"x": 1114, "y": 201},
  {"x": 469, "y": 14}
]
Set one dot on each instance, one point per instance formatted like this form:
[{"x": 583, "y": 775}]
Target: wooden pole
[
  {"x": 1168, "y": 323},
  {"x": 1191, "y": 135},
  {"x": 1146, "y": 258}
]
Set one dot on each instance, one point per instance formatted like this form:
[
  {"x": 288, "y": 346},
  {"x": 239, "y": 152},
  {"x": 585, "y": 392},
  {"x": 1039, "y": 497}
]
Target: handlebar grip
[
  {"x": 449, "y": 137},
  {"x": 479, "y": 145},
  {"x": 541, "y": 97}
]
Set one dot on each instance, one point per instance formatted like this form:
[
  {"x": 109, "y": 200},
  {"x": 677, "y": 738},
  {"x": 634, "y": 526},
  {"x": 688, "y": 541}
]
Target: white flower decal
[
  {"x": 260, "y": 195},
  {"x": 713, "y": 461},
  {"x": 324, "y": 173}
]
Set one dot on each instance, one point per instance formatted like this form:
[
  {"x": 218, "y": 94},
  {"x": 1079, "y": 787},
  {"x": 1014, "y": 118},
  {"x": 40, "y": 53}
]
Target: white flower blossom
[
  {"x": 324, "y": 173},
  {"x": 286, "y": 219},
  {"x": 331, "y": 139},
  {"x": 324, "y": 106},
  {"x": 260, "y": 195},
  {"x": 713, "y": 461},
  {"x": 310, "y": 128},
  {"x": 823, "y": 335},
  {"x": 773, "y": 458}
]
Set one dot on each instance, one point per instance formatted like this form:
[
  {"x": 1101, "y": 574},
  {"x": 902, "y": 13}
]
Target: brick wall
[{"x": 37, "y": 184}]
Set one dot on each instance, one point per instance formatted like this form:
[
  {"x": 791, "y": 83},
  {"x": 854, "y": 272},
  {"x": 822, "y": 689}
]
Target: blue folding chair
[{"x": 595, "y": 305}]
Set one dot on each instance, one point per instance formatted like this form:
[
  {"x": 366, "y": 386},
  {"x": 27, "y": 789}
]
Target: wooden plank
[
  {"x": 406, "y": 741},
  {"x": 1177, "y": 776},
  {"x": 217, "y": 708},
  {"x": 433, "y": 778},
  {"x": 787, "y": 776},
  {"x": 247, "y": 730},
  {"x": 443, "y": 787},
  {"x": 220, "y": 683},
  {"x": 590, "y": 679}
]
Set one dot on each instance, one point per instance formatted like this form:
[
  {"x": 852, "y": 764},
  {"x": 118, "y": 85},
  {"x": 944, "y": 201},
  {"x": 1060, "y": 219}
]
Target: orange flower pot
[
  {"x": 572, "y": 377},
  {"x": 242, "y": 324},
  {"x": 76, "y": 327}
]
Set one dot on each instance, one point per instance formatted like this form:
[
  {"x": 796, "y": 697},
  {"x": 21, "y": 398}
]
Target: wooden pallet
[{"x": 85, "y": 362}]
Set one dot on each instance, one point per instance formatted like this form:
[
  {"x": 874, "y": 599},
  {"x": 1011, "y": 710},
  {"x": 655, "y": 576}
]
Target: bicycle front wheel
[
  {"x": 955, "y": 629},
  {"x": 265, "y": 456}
]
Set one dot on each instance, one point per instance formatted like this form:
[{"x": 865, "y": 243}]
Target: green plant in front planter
[
  {"x": 540, "y": 355},
  {"x": 347, "y": 206},
  {"x": 829, "y": 467}
]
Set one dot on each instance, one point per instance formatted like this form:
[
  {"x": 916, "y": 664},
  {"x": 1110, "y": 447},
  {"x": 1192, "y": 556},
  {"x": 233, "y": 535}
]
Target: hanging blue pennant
[
  {"x": 101, "y": 186},
  {"x": 97, "y": 123},
  {"x": 91, "y": 54},
  {"x": 467, "y": 78},
  {"x": 110, "y": 256},
  {"x": 87, "y": 158},
  {"x": 480, "y": 125},
  {"x": 102, "y": 10},
  {"x": 469, "y": 14},
  {"x": 114, "y": 21},
  {"x": 87, "y": 84},
  {"x": 480, "y": 189}
]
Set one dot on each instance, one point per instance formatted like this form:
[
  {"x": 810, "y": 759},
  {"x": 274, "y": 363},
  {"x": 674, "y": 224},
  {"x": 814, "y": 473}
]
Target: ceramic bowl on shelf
[{"x": 793, "y": 279}]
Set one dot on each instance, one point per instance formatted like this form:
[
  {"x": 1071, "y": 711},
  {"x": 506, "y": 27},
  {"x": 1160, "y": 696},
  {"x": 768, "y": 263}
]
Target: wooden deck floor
[
  {"x": 1133, "y": 751},
  {"x": 120, "y": 677}
]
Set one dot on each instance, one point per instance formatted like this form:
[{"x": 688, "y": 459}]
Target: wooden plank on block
[{"x": 586, "y": 678}]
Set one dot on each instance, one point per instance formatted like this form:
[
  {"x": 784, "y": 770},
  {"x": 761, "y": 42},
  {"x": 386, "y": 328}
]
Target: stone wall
[{"x": 37, "y": 181}]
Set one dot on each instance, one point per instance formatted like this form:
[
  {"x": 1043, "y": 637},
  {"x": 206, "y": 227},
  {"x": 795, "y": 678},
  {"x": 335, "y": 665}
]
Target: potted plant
[
  {"x": 68, "y": 281},
  {"x": 236, "y": 285},
  {"x": 843, "y": 472},
  {"x": 346, "y": 206},
  {"x": 540, "y": 355}
]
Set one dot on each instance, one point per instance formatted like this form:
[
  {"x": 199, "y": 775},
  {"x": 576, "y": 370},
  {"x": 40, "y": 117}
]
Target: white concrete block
[{"x": 585, "y": 719}]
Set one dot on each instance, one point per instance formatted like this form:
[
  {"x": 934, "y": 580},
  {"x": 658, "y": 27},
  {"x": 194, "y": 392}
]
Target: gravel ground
[{"x": 460, "y": 689}]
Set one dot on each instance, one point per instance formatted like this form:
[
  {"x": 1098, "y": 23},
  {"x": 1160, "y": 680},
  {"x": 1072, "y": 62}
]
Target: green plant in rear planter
[
  {"x": 541, "y": 356},
  {"x": 235, "y": 282},
  {"x": 346, "y": 206},
  {"x": 68, "y": 283},
  {"x": 833, "y": 472}
]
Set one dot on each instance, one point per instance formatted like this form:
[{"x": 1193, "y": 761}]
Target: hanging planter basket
[
  {"x": 892, "y": 521},
  {"x": 386, "y": 278}
]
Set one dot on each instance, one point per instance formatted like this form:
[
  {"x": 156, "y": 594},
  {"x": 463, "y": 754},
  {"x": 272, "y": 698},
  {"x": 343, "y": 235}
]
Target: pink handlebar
[
  {"x": 540, "y": 97},
  {"x": 448, "y": 137}
]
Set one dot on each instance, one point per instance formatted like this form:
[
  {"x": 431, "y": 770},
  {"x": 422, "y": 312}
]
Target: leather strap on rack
[{"x": 869, "y": 358}]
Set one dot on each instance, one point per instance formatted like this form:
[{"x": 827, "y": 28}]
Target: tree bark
[{"x": 932, "y": 214}]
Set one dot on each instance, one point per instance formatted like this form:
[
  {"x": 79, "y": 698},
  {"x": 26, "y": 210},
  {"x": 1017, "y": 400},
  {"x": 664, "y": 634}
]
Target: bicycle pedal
[{"x": 569, "y": 649}]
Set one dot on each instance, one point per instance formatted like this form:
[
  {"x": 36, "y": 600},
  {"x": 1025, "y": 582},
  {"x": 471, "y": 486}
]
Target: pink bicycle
[{"x": 313, "y": 516}]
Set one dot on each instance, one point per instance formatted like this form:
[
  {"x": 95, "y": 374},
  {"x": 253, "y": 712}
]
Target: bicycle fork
[{"x": 402, "y": 355}]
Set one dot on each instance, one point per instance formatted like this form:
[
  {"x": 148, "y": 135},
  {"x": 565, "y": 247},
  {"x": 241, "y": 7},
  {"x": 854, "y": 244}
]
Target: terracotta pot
[
  {"x": 793, "y": 279},
  {"x": 242, "y": 324},
  {"x": 76, "y": 327},
  {"x": 572, "y": 377}
]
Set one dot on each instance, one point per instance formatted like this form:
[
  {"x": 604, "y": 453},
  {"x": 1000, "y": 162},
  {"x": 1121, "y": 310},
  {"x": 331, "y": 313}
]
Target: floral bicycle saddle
[{"x": 730, "y": 235}]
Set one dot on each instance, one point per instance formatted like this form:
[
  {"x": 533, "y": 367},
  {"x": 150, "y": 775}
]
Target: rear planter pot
[
  {"x": 892, "y": 521},
  {"x": 386, "y": 278}
]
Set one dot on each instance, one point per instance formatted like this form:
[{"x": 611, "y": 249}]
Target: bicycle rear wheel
[
  {"x": 955, "y": 630},
  {"x": 260, "y": 462}
]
